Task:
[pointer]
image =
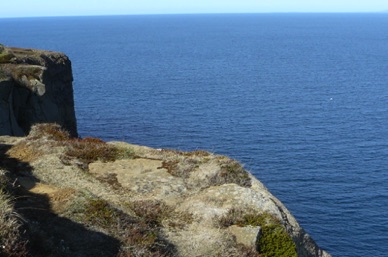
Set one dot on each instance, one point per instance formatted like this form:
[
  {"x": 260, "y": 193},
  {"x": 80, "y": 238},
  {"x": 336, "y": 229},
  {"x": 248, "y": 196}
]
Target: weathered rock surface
[
  {"x": 191, "y": 186},
  {"x": 35, "y": 87}
]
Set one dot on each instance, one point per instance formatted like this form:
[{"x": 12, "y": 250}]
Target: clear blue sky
[{"x": 28, "y": 8}]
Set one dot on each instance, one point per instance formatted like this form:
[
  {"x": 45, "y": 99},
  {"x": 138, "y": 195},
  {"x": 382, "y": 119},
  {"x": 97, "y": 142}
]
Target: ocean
[{"x": 300, "y": 99}]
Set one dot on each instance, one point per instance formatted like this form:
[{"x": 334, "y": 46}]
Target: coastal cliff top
[
  {"x": 92, "y": 198},
  {"x": 14, "y": 55}
]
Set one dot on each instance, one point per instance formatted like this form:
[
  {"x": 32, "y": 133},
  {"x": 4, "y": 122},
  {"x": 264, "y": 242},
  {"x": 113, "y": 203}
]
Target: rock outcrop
[
  {"x": 35, "y": 87},
  {"x": 152, "y": 202}
]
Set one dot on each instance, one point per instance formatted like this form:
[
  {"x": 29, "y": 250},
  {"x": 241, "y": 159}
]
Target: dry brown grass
[
  {"x": 12, "y": 242},
  {"x": 151, "y": 212},
  {"x": 140, "y": 236},
  {"x": 50, "y": 131},
  {"x": 44, "y": 138},
  {"x": 24, "y": 152}
]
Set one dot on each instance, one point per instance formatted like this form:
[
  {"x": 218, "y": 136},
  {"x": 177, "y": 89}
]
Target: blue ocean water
[{"x": 300, "y": 99}]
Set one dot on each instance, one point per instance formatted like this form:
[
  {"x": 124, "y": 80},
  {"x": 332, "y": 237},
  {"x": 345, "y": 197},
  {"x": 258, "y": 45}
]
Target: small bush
[
  {"x": 274, "y": 240},
  {"x": 99, "y": 212},
  {"x": 232, "y": 172},
  {"x": 151, "y": 212},
  {"x": 51, "y": 131},
  {"x": 142, "y": 240},
  {"x": 139, "y": 237},
  {"x": 90, "y": 149}
]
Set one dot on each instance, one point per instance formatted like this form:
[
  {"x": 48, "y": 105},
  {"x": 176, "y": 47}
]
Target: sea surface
[{"x": 300, "y": 99}]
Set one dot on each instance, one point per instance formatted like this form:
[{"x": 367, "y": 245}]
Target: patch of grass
[
  {"x": 181, "y": 164},
  {"x": 51, "y": 131},
  {"x": 32, "y": 148},
  {"x": 99, "y": 212},
  {"x": 139, "y": 236},
  {"x": 24, "y": 152},
  {"x": 89, "y": 150},
  {"x": 86, "y": 150},
  {"x": 274, "y": 240},
  {"x": 231, "y": 172},
  {"x": 3, "y": 181},
  {"x": 5, "y": 54},
  {"x": 196, "y": 153},
  {"x": 179, "y": 220},
  {"x": 12, "y": 242},
  {"x": 141, "y": 240},
  {"x": 180, "y": 168},
  {"x": 152, "y": 212}
]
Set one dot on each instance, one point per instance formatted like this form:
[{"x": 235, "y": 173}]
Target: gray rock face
[{"x": 35, "y": 87}]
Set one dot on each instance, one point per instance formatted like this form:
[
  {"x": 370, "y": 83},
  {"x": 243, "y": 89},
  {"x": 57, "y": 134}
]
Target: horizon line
[{"x": 195, "y": 13}]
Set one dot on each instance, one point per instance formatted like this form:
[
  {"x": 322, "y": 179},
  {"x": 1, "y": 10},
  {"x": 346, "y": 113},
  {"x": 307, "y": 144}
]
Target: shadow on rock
[{"x": 49, "y": 234}]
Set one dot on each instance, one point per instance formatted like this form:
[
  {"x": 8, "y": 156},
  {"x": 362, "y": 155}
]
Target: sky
[{"x": 37, "y": 8}]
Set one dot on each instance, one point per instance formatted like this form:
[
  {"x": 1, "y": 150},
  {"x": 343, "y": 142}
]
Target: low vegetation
[
  {"x": 140, "y": 235},
  {"x": 5, "y": 54},
  {"x": 274, "y": 240},
  {"x": 139, "y": 227},
  {"x": 85, "y": 151},
  {"x": 12, "y": 240},
  {"x": 231, "y": 172},
  {"x": 184, "y": 163}
]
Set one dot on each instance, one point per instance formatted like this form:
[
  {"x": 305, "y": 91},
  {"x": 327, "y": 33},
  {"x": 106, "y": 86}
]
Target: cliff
[
  {"x": 65, "y": 196},
  {"x": 35, "y": 87}
]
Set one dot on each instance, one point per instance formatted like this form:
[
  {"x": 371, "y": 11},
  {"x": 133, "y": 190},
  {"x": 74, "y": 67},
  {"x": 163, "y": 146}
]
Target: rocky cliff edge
[
  {"x": 35, "y": 87},
  {"x": 85, "y": 197}
]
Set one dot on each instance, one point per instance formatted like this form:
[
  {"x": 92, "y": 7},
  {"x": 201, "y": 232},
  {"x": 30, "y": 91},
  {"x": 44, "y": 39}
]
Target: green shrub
[
  {"x": 274, "y": 240},
  {"x": 99, "y": 212},
  {"x": 232, "y": 172}
]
